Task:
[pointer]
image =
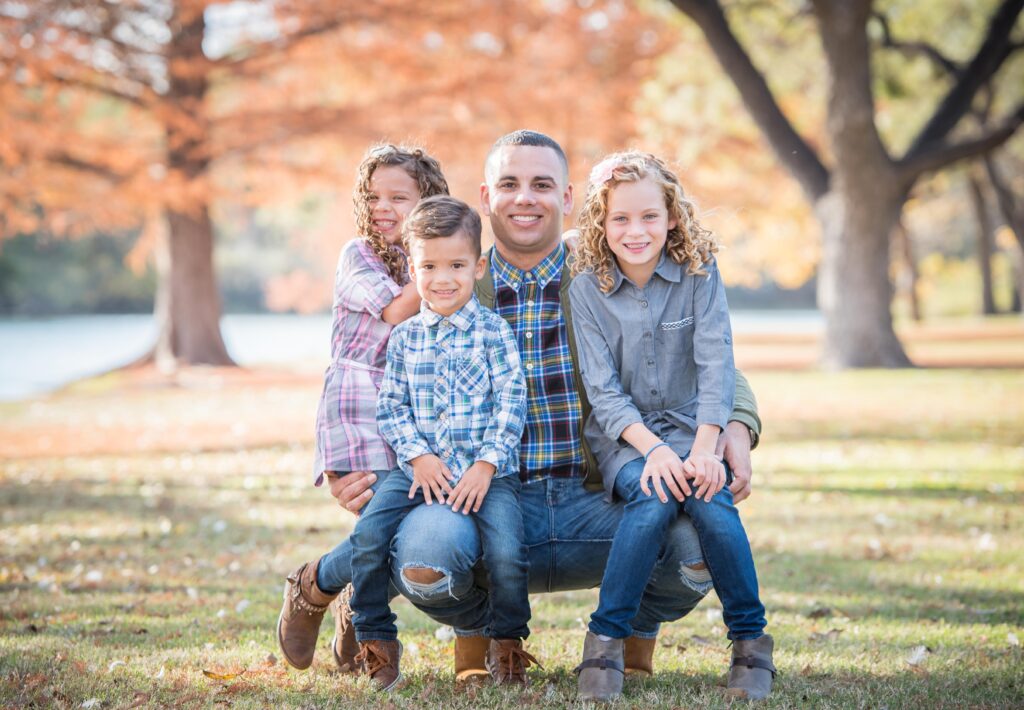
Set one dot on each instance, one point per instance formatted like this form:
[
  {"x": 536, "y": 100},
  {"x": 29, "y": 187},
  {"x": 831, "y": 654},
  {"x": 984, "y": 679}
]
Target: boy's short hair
[{"x": 442, "y": 216}]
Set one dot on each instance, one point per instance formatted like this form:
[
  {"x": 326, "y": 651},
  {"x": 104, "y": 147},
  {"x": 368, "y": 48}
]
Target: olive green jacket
[{"x": 744, "y": 405}]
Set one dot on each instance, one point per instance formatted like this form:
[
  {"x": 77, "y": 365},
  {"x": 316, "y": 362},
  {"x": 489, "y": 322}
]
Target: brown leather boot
[
  {"x": 301, "y": 614},
  {"x": 470, "y": 659},
  {"x": 507, "y": 662},
  {"x": 638, "y": 655},
  {"x": 344, "y": 645},
  {"x": 379, "y": 660}
]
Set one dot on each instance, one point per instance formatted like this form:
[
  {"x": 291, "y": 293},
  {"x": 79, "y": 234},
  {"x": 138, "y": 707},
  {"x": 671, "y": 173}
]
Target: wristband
[{"x": 651, "y": 450}]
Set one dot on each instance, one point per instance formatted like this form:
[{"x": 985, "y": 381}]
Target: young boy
[{"x": 452, "y": 406}]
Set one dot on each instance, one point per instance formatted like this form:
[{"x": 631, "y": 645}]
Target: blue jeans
[
  {"x": 569, "y": 532},
  {"x": 635, "y": 550},
  {"x": 500, "y": 525}
]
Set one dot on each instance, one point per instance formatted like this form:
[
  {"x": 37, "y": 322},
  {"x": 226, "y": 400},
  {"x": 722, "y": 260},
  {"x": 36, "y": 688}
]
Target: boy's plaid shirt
[
  {"x": 529, "y": 302},
  {"x": 453, "y": 386}
]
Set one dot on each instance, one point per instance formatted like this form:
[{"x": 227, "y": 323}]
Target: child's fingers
[
  {"x": 670, "y": 480},
  {"x": 470, "y": 501},
  {"x": 661, "y": 491},
  {"x": 689, "y": 468},
  {"x": 441, "y": 484},
  {"x": 645, "y": 479},
  {"x": 412, "y": 489}
]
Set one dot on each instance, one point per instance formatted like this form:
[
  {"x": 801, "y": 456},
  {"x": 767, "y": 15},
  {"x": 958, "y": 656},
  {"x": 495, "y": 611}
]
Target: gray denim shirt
[{"x": 661, "y": 355}]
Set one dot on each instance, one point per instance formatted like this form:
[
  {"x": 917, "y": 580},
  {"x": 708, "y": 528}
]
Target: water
[{"x": 40, "y": 355}]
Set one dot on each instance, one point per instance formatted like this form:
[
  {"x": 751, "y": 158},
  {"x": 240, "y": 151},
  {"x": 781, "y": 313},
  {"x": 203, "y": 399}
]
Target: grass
[{"x": 146, "y": 530}]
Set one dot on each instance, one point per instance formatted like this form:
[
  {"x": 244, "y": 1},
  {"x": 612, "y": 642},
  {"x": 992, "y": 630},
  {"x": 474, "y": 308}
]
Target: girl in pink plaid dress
[{"x": 372, "y": 294}]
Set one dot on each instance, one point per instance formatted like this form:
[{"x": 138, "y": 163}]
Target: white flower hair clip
[{"x": 603, "y": 171}]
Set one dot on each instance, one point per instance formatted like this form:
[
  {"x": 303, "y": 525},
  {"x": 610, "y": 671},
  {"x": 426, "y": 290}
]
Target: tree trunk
[
  {"x": 188, "y": 304},
  {"x": 909, "y": 278},
  {"x": 1014, "y": 217},
  {"x": 988, "y": 302},
  {"x": 854, "y": 290}
]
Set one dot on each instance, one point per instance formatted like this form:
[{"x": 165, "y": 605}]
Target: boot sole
[{"x": 280, "y": 644}]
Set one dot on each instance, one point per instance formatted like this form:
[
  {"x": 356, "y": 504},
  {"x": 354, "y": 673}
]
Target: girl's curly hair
[
  {"x": 422, "y": 168},
  {"x": 687, "y": 242}
]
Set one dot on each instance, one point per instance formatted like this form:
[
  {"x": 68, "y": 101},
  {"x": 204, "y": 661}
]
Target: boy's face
[{"x": 445, "y": 269}]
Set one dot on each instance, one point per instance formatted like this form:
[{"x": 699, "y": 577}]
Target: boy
[{"x": 452, "y": 406}]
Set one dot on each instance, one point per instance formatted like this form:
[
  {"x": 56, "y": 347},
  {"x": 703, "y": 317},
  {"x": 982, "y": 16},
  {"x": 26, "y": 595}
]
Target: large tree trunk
[
  {"x": 188, "y": 305},
  {"x": 1013, "y": 215}
]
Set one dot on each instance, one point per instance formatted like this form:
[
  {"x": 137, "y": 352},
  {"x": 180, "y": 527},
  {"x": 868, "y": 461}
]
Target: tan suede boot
[
  {"x": 600, "y": 673},
  {"x": 638, "y": 655},
  {"x": 380, "y": 661},
  {"x": 470, "y": 659},
  {"x": 344, "y": 645},
  {"x": 301, "y": 614},
  {"x": 507, "y": 662}
]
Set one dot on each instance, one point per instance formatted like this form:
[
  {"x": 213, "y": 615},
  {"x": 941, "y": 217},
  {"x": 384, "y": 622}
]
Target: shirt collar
[
  {"x": 461, "y": 319},
  {"x": 666, "y": 269},
  {"x": 543, "y": 273}
]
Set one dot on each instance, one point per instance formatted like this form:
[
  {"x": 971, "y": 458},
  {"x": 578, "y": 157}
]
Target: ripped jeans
[
  {"x": 500, "y": 525},
  {"x": 569, "y": 532}
]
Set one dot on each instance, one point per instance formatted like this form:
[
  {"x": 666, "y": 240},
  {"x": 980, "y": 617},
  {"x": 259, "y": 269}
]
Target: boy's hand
[
  {"x": 663, "y": 465},
  {"x": 707, "y": 472},
  {"x": 430, "y": 474},
  {"x": 472, "y": 487}
]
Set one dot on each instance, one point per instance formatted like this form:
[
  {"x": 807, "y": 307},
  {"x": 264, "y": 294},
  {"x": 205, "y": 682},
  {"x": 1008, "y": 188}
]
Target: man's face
[
  {"x": 526, "y": 195},
  {"x": 445, "y": 269}
]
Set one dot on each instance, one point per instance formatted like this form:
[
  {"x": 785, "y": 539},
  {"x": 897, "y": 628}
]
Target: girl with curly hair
[
  {"x": 372, "y": 294},
  {"x": 655, "y": 346}
]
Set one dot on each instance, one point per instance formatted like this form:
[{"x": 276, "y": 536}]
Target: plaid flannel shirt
[{"x": 453, "y": 386}]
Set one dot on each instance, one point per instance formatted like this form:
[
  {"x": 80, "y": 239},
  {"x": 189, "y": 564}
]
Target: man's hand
[
  {"x": 734, "y": 446},
  {"x": 472, "y": 487},
  {"x": 430, "y": 474},
  {"x": 352, "y": 491}
]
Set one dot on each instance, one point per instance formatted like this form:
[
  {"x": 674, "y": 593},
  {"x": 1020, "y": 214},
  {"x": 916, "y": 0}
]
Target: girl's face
[
  {"x": 637, "y": 226},
  {"x": 393, "y": 194}
]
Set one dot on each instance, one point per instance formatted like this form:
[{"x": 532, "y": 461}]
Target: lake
[{"x": 40, "y": 355}]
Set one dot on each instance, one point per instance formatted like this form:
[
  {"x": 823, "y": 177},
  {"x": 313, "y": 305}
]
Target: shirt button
[
  {"x": 654, "y": 391},
  {"x": 529, "y": 335},
  {"x": 446, "y": 323},
  {"x": 529, "y": 366},
  {"x": 643, "y": 304},
  {"x": 530, "y": 303},
  {"x": 647, "y": 335},
  {"x": 442, "y": 416},
  {"x": 650, "y": 363}
]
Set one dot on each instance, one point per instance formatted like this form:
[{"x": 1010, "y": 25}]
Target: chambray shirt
[
  {"x": 660, "y": 355},
  {"x": 453, "y": 386},
  {"x": 529, "y": 302}
]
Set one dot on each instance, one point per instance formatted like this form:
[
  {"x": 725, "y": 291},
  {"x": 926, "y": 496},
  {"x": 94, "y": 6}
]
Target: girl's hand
[
  {"x": 430, "y": 474},
  {"x": 707, "y": 472},
  {"x": 663, "y": 465},
  {"x": 472, "y": 487}
]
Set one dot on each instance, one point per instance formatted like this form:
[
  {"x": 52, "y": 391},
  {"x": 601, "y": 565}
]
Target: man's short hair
[
  {"x": 531, "y": 138},
  {"x": 442, "y": 216}
]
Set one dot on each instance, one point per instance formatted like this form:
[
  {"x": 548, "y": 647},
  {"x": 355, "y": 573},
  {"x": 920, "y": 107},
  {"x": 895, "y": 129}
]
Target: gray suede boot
[
  {"x": 602, "y": 669},
  {"x": 752, "y": 669}
]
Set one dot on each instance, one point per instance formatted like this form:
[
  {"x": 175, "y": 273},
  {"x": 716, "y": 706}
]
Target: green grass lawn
[{"x": 886, "y": 525}]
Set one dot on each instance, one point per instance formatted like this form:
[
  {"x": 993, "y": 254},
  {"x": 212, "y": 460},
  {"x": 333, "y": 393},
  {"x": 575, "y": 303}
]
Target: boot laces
[{"x": 373, "y": 658}]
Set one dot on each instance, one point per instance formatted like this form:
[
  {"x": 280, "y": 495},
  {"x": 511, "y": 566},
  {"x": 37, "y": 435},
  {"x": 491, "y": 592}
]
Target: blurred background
[{"x": 195, "y": 159}]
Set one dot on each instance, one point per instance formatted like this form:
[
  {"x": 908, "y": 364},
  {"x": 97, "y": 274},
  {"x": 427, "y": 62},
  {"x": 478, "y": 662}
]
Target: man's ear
[
  {"x": 567, "y": 200},
  {"x": 485, "y": 200}
]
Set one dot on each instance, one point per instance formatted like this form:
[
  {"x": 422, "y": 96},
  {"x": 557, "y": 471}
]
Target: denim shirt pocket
[
  {"x": 677, "y": 355},
  {"x": 471, "y": 376}
]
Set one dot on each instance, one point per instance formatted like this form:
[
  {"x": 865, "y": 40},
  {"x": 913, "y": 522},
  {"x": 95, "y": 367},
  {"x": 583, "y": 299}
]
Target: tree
[
  {"x": 148, "y": 113},
  {"x": 858, "y": 199}
]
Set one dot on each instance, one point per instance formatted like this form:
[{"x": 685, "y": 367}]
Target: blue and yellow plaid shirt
[
  {"x": 529, "y": 302},
  {"x": 453, "y": 387}
]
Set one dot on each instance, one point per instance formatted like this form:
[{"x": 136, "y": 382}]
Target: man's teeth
[{"x": 525, "y": 218}]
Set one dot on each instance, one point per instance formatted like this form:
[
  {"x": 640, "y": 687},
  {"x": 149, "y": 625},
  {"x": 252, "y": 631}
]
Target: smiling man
[{"x": 569, "y": 523}]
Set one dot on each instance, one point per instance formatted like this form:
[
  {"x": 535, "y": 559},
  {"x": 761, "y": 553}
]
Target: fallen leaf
[
  {"x": 702, "y": 640},
  {"x": 223, "y": 676},
  {"x": 807, "y": 670},
  {"x": 242, "y": 606},
  {"x": 115, "y": 664},
  {"x": 821, "y": 612},
  {"x": 270, "y": 660},
  {"x": 91, "y": 703},
  {"x": 1012, "y": 639},
  {"x": 830, "y": 635},
  {"x": 917, "y": 655}
]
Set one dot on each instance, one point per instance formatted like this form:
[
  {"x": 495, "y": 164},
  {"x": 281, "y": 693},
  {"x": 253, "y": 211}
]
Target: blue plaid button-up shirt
[
  {"x": 453, "y": 387},
  {"x": 529, "y": 301}
]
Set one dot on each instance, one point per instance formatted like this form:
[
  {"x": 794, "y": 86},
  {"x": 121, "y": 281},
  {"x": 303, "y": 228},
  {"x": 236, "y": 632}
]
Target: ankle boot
[
  {"x": 752, "y": 670},
  {"x": 299, "y": 622}
]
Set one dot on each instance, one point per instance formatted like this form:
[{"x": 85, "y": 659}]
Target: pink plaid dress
[{"x": 346, "y": 420}]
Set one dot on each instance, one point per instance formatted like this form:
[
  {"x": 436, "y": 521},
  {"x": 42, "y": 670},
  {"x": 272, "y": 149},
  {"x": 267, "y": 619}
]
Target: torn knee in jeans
[
  {"x": 696, "y": 576},
  {"x": 426, "y": 582}
]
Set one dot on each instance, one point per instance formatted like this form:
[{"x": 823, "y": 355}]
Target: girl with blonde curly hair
[
  {"x": 372, "y": 294},
  {"x": 655, "y": 350}
]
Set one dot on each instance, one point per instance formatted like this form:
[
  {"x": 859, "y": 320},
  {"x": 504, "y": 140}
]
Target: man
[{"x": 569, "y": 524}]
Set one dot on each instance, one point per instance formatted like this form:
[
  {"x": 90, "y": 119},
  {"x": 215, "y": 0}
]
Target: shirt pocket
[
  {"x": 676, "y": 356},
  {"x": 471, "y": 376}
]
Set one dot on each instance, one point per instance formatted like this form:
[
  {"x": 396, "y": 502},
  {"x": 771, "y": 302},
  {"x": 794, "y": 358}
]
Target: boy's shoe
[
  {"x": 752, "y": 670},
  {"x": 299, "y": 622},
  {"x": 344, "y": 646},
  {"x": 507, "y": 662},
  {"x": 471, "y": 659},
  {"x": 638, "y": 656},
  {"x": 602, "y": 670},
  {"x": 379, "y": 660}
]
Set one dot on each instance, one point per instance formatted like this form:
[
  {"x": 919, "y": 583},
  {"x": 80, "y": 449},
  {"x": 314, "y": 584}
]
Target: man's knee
[{"x": 422, "y": 575}]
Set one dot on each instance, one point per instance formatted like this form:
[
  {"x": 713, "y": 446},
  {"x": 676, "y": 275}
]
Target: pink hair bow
[{"x": 602, "y": 172}]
